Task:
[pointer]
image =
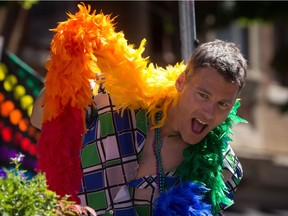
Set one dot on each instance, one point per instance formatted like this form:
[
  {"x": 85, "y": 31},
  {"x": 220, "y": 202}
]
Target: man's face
[{"x": 205, "y": 102}]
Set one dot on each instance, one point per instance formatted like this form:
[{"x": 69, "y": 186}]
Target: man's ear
[{"x": 179, "y": 84}]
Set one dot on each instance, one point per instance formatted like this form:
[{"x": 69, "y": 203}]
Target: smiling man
[
  {"x": 162, "y": 150},
  {"x": 208, "y": 89}
]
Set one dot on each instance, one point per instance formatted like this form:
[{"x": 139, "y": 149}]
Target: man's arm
[{"x": 37, "y": 111}]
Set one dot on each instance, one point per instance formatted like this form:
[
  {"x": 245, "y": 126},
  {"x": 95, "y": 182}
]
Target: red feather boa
[{"x": 59, "y": 156}]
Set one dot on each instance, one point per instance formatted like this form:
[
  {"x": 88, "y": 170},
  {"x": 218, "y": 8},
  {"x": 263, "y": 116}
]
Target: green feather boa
[{"x": 204, "y": 162}]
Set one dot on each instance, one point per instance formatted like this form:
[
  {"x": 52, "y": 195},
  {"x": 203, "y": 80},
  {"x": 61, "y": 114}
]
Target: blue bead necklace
[{"x": 158, "y": 142}]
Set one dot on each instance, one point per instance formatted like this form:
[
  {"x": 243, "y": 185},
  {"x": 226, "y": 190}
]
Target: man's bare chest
[{"x": 171, "y": 155}]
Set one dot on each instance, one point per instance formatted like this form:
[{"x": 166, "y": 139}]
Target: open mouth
[{"x": 198, "y": 126}]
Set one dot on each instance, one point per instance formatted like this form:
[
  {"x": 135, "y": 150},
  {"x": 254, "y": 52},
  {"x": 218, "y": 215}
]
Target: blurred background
[{"x": 260, "y": 28}]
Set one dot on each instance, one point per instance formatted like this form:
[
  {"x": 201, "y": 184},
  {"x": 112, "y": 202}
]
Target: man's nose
[{"x": 209, "y": 111}]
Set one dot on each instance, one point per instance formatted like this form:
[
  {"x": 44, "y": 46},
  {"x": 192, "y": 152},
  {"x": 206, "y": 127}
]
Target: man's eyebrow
[{"x": 203, "y": 90}]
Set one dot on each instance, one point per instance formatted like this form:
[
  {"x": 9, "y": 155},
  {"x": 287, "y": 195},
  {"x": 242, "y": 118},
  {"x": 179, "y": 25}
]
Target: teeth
[{"x": 200, "y": 121}]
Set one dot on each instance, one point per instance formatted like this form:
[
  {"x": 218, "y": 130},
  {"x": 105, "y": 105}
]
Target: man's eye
[
  {"x": 203, "y": 95},
  {"x": 224, "y": 105}
]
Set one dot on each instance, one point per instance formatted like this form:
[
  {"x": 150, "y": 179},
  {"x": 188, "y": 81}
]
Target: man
[{"x": 133, "y": 153}]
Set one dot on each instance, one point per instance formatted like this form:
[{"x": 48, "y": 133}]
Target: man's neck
[{"x": 170, "y": 126}]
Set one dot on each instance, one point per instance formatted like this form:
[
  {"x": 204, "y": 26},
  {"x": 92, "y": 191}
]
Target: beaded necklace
[
  {"x": 157, "y": 145},
  {"x": 158, "y": 142}
]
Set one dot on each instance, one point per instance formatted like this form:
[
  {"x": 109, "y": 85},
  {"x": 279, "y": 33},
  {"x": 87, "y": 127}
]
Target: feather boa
[
  {"x": 204, "y": 162},
  {"x": 58, "y": 152},
  {"x": 86, "y": 47},
  {"x": 187, "y": 199}
]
